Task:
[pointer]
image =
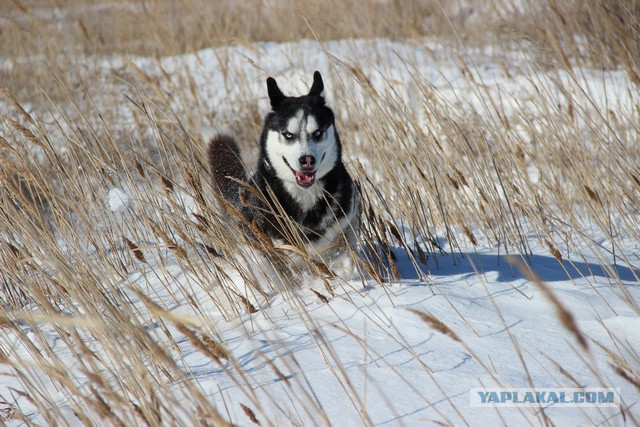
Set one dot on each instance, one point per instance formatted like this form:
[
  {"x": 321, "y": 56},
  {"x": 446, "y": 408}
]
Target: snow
[
  {"x": 400, "y": 371},
  {"x": 117, "y": 199},
  {"x": 366, "y": 356}
]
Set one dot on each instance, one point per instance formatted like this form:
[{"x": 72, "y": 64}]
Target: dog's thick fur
[{"x": 300, "y": 173}]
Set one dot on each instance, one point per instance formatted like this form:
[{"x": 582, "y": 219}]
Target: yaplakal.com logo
[{"x": 535, "y": 397}]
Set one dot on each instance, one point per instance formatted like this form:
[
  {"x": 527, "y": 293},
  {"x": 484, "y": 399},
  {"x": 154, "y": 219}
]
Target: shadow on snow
[{"x": 547, "y": 268}]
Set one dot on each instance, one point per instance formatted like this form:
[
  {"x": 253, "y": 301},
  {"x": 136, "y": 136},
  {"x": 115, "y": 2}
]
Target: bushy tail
[{"x": 224, "y": 160}]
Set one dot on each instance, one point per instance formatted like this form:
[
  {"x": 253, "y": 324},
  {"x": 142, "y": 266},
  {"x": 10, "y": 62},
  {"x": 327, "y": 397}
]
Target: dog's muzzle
[{"x": 306, "y": 176}]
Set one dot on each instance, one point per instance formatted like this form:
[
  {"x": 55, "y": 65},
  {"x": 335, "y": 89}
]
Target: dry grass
[
  {"x": 463, "y": 172},
  {"x": 605, "y": 30},
  {"x": 179, "y": 26},
  {"x": 57, "y": 31}
]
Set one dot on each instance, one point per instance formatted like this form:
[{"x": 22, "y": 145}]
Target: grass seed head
[
  {"x": 436, "y": 324},
  {"x": 249, "y": 413}
]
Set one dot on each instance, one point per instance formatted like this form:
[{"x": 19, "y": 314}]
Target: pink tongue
[{"x": 305, "y": 178}]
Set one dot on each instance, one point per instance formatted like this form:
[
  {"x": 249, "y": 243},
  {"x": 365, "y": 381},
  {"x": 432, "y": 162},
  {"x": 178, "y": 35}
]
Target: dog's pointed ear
[
  {"x": 317, "y": 87},
  {"x": 275, "y": 94}
]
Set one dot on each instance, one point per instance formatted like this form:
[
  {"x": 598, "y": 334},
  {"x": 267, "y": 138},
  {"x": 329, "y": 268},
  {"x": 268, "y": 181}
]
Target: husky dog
[{"x": 299, "y": 173}]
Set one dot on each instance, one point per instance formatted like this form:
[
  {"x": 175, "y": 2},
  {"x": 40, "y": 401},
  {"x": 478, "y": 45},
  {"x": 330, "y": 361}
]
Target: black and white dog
[{"x": 300, "y": 174}]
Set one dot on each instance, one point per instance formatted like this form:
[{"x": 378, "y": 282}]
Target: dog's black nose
[{"x": 307, "y": 162}]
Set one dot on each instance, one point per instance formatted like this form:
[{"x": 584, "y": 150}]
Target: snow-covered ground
[{"x": 367, "y": 356}]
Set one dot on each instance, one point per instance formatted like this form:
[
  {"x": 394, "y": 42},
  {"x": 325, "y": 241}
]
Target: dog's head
[{"x": 299, "y": 138}]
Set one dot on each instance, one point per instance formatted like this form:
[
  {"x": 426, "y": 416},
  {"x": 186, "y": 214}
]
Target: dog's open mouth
[{"x": 305, "y": 179}]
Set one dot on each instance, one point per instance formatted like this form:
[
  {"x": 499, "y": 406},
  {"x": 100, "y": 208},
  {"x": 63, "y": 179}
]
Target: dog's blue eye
[
  {"x": 288, "y": 136},
  {"x": 317, "y": 134}
]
